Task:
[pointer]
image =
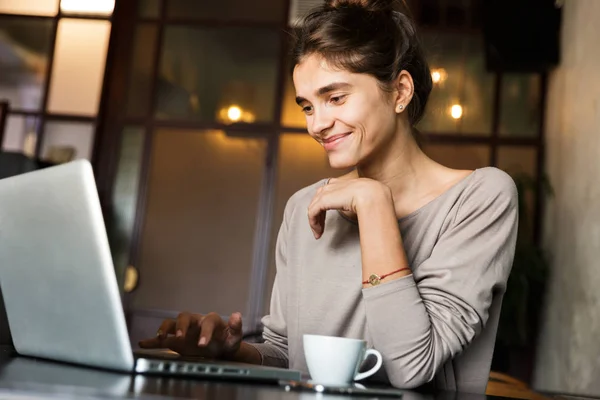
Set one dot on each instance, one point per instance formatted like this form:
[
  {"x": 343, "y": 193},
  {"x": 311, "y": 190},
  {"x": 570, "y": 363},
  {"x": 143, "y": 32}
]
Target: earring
[{"x": 400, "y": 108}]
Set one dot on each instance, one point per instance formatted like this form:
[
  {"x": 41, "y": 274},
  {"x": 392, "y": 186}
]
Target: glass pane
[
  {"x": 24, "y": 52},
  {"x": 78, "y": 69},
  {"x": 29, "y": 7},
  {"x": 520, "y": 105},
  {"x": 456, "y": 12},
  {"x": 20, "y": 134},
  {"x": 291, "y": 113},
  {"x": 459, "y": 156},
  {"x": 222, "y": 74},
  {"x": 121, "y": 222},
  {"x": 140, "y": 76},
  {"x": 520, "y": 163},
  {"x": 301, "y": 162},
  {"x": 149, "y": 8},
  {"x": 517, "y": 159},
  {"x": 67, "y": 141},
  {"x": 476, "y": 14},
  {"x": 87, "y": 7},
  {"x": 257, "y": 10},
  {"x": 460, "y": 80},
  {"x": 430, "y": 12},
  {"x": 198, "y": 231}
]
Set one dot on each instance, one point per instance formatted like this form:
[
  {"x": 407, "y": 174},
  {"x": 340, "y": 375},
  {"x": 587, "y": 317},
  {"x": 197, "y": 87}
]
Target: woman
[{"x": 403, "y": 252}]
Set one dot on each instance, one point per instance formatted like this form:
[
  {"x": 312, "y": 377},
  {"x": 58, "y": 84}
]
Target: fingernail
[
  {"x": 202, "y": 341},
  {"x": 179, "y": 333}
]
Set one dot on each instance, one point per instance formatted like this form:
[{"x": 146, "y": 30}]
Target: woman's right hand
[{"x": 199, "y": 335}]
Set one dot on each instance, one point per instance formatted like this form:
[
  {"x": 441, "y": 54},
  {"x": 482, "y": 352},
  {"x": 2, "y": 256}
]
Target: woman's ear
[{"x": 404, "y": 89}]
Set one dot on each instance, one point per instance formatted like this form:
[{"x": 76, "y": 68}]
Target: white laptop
[{"x": 59, "y": 285}]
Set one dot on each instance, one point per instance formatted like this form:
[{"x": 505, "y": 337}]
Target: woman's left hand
[{"x": 347, "y": 195}]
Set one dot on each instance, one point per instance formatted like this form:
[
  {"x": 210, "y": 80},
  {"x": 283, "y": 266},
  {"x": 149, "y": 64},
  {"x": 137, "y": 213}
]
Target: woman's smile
[{"x": 334, "y": 141}]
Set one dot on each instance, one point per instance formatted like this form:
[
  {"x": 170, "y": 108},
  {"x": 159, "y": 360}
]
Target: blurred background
[{"x": 186, "y": 109}]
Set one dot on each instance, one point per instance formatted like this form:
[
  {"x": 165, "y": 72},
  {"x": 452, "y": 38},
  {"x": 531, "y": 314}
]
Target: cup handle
[{"x": 370, "y": 372}]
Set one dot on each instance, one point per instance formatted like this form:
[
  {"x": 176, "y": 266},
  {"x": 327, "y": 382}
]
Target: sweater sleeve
[
  {"x": 274, "y": 351},
  {"x": 421, "y": 321}
]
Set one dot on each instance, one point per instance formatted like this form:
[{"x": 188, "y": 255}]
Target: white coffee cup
[{"x": 335, "y": 360}]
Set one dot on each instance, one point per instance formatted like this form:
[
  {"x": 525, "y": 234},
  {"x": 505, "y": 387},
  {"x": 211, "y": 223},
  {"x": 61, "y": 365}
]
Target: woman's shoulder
[
  {"x": 489, "y": 185},
  {"x": 492, "y": 180}
]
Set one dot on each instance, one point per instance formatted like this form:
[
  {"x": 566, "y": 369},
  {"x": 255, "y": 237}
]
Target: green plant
[{"x": 522, "y": 304}]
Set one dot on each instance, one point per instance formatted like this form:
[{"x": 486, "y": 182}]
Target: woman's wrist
[
  {"x": 377, "y": 199},
  {"x": 381, "y": 242}
]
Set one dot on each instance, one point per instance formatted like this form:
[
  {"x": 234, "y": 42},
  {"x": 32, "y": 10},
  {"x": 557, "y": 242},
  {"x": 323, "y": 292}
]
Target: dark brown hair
[{"x": 367, "y": 36}]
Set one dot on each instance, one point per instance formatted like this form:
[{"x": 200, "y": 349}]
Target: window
[{"x": 51, "y": 75}]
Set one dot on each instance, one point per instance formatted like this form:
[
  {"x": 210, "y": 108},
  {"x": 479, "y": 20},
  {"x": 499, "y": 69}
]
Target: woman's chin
[{"x": 341, "y": 161}]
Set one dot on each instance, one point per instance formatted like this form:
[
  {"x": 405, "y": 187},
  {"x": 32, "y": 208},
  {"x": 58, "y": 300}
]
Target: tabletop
[{"x": 28, "y": 378}]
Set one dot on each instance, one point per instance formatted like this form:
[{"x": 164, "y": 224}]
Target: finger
[
  {"x": 153, "y": 343},
  {"x": 235, "y": 323},
  {"x": 316, "y": 218},
  {"x": 184, "y": 321},
  {"x": 171, "y": 342},
  {"x": 313, "y": 210},
  {"x": 234, "y": 327},
  {"x": 166, "y": 328},
  {"x": 323, "y": 200},
  {"x": 207, "y": 327}
]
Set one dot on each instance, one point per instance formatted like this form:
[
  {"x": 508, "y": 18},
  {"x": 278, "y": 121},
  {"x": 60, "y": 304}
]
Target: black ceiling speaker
[{"x": 521, "y": 35}]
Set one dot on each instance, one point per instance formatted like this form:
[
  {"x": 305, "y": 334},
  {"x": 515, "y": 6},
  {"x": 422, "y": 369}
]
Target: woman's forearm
[{"x": 380, "y": 240}]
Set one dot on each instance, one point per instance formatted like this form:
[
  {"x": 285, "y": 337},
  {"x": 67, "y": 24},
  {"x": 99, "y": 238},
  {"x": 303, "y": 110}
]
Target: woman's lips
[{"x": 334, "y": 141}]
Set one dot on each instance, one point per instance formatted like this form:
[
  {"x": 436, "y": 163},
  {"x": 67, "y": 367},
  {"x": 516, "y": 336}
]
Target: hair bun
[{"x": 368, "y": 5}]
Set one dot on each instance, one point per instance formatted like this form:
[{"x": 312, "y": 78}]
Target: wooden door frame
[{"x": 111, "y": 115}]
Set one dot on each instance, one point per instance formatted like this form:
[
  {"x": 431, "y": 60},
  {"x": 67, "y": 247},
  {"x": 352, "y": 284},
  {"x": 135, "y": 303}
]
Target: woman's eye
[
  {"x": 337, "y": 99},
  {"x": 307, "y": 109}
]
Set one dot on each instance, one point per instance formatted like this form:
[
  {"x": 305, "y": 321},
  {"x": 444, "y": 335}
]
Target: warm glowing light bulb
[
  {"x": 438, "y": 75},
  {"x": 456, "y": 111},
  {"x": 234, "y": 113}
]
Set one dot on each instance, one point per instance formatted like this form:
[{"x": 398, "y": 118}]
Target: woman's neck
[
  {"x": 413, "y": 178},
  {"x": 401, "y": 165}
]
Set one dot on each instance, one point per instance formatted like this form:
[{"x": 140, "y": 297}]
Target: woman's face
[{"x": 347, "y": 113}]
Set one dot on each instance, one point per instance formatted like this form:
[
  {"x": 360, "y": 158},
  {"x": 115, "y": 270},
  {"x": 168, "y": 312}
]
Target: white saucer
[{"x": 354, "y": 384}]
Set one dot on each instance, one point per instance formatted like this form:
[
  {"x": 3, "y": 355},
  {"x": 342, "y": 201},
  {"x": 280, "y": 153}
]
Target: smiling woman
[{"x": 402, "y": 252}]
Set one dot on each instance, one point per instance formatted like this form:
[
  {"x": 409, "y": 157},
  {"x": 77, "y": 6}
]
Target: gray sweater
[{"x": 437, "y": 325}]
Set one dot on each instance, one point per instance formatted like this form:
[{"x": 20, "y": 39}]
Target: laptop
[{"x": 59, "y": 285}]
